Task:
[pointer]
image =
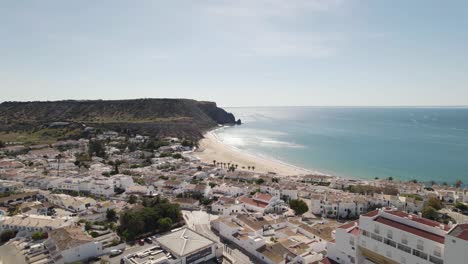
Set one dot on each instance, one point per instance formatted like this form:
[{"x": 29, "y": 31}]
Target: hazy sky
[{"x": 237, "y": 53}]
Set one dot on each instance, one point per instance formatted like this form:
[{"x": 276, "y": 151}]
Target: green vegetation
[
  {"x": 299, "y": 206},
  {"x": 458, "y": 183},
  {"x": 461, "y": 206},
  {"x": 39, "y": 235},
  {"x": 111, "y": 215},
  {"x": 7, "y": 235},
  {"x": 132, "y": 199},
  {"x": 177, "y": 156},
  {"x": 2, "y": 144},
  {"x": 154, "y": 216},
  {"x": 260, "y": 181},
  {"x": 97, "y": 148},
  {"x": 431, "y": 206}
]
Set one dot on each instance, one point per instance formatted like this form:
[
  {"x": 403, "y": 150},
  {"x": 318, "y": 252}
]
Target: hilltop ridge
[{"x": 156, "y": 117}]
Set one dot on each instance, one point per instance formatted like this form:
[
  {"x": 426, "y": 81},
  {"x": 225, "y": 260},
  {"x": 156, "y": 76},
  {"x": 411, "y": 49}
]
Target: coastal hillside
[{"x": 156, "y": 117}]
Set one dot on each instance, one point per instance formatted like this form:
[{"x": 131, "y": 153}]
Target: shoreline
[{"x": 212, "y": 148}]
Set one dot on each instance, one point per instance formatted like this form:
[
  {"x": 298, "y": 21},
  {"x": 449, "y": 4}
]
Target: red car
[{"x": 141, "y": 242}]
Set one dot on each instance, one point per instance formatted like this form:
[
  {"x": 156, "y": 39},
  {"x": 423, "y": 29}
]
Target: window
[
  {"x": 435, "y": 260},
  {"x": 420, "y": 244},
  {"x": 376, "y": 237},
  {"x": 404, "y": 239},
  {"x": 377, "y": 229},
  {"x": 437, "y": 252},
  {"x": 420, "y": 254},
  {"x": 365, "y": 233},
  {"x": 390, "y": 242},
  {"x": 390, "y": 234},
  {"x": 351, "y": 241},
  {"x": 404, "y": 248}
]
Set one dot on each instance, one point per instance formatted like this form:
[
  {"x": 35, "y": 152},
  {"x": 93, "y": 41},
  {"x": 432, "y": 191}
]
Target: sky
[{"x": 237, "y": 53}]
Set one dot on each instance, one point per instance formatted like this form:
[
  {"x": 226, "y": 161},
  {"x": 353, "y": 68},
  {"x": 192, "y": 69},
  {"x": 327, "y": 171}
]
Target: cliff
[{"x": 155, "y": 117}]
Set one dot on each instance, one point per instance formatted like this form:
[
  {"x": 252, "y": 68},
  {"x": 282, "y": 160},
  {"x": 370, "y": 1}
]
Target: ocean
[{"x": 404, "y": 143}]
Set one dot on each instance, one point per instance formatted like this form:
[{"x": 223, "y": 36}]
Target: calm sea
[{"x": 404, "y": 143}]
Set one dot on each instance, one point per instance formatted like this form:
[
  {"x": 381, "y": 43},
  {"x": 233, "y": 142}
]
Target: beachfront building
[
  {"x": 25, "y": 225},
  {"x": 262, "y": 203},
  {"x": 392, "y": 236},
  {"x": 269, "y": 239},
  {"x": 226, "y": 206},
  {"x": 70, "y": 245}
]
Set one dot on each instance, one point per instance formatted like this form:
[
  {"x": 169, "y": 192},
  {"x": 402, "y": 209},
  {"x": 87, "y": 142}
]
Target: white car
[{"x": 115, "y": 252}]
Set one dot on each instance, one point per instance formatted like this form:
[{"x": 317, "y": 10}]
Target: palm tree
[
  {"x": 248, "y": 167},
  {"x": 237, "y": 165},
  {"x": 458, "y": 183},
  {"x": 253, "y": 167},
  {"x": 214, "y": 162},
  {"x": 58, "y": 157}
]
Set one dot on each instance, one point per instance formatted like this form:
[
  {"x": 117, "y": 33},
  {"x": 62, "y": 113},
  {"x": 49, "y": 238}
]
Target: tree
[
  {"x": 132, "y": 199},
  {"x": 7, "y": 235},
  {"x": 177, "y": 156},
  {"x": 212, "y": 184},
  {"x": 165, "y": 223},
  {"x": 97, "y": 148},
  {"x": 214, "y": 162},
  {"x": 111, "y": 215},
  {"x": 38, "y": 235},
  {"x": 58, "y": 157},
  {"x": 2, "y": 144},
  {"x": 430, "y": 213},
  {"x": 434, "y": 203},
  {"x": 259, "y": 181},
  {"x": 458, "y": 183},
  {"x": 299, "y": 206},
  {"x": 390, "y": 178}
]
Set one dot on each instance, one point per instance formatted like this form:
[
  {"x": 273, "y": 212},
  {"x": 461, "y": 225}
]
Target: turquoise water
[{"x": 404, "y": 143}]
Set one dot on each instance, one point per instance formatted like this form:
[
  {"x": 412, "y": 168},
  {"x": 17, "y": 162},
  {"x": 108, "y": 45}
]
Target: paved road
[
  {"x": 9, "y": 254},
  {"x": 128, "y": 250}
]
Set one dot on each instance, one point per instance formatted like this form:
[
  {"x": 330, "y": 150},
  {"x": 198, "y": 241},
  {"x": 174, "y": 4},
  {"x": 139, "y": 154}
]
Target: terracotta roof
[
  {"x": 328, "y": 261},
  {"x": 251, "y": 201},
  {"x": 371, "y": 213},
  {"x": 263, "y": 196},
  {"x": 410, "y": 229},
  {"x": 418, "y": 219},
  {"x": 460, "y": 231}
]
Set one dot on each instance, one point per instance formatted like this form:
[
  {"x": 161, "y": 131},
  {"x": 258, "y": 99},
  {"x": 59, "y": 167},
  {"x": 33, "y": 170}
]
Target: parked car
[
  {"x": 115, "y": 252},
  {"x": 148, "y": 240},
  {"x": 141, "y": 242}
]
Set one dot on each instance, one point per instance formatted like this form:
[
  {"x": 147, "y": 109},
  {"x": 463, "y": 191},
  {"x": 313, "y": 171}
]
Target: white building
[
  {"x": 392, "y": 236},
  {"x": 11, "y": 186},
  {"x": 28, "y": 224},
  {"x": 71, "y": 244}
]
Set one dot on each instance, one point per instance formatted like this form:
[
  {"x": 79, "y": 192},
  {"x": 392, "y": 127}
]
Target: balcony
[{"x": 420, "y": 254}]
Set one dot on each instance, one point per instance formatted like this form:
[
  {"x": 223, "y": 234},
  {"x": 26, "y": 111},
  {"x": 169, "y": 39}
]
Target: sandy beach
[{"x": 211, "y": 148}]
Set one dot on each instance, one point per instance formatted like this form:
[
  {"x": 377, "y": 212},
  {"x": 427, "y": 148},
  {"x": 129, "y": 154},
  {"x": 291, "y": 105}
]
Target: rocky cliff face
[{"x": 156, "y": 117}]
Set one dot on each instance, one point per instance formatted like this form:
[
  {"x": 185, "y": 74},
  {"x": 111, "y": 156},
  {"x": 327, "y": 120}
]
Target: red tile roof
[
  {"x": 263, "y": 197},
  {"x": 418, "y": 219},
  {"x": 460, "y": 231},
  {"x": 354, "y": 231},
  {"x": 410, "y": 229},
  {"x": 250, "y": 201},
  {"x": 371, "y": 213},
  {"x": 328, "y": 261}
]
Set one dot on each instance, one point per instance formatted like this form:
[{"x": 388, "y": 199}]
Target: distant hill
[{"x": 156, "y": 117}]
